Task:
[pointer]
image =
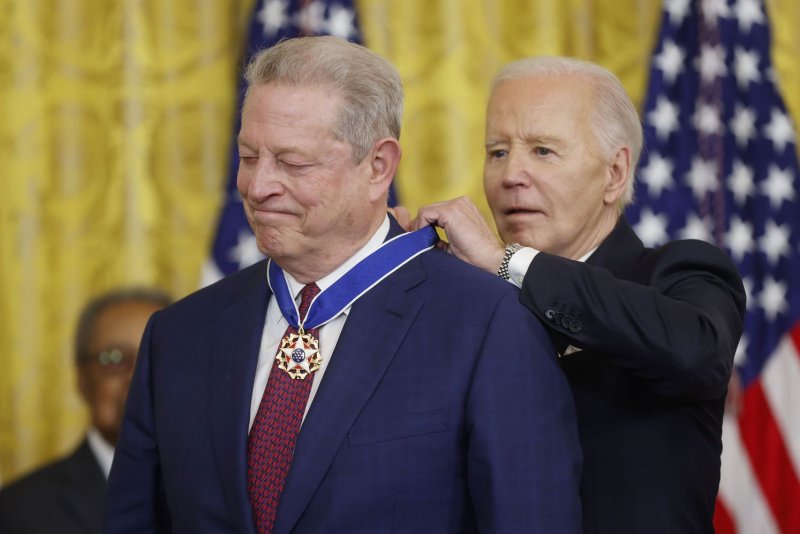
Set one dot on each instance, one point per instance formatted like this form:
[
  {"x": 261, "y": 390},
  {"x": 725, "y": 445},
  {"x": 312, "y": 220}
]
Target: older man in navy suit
[{"x": 359, "y": 380}]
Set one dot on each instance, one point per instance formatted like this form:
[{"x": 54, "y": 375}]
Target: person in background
[
  {"x": 645, "y": 336},
  {"x": 68, "y": 495},
  {"x": 358, "y": 381}
]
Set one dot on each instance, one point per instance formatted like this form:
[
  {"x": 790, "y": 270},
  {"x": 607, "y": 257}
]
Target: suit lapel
[
  {"x": 371, "y": 337},
  {"x": 235, "y": 357}
]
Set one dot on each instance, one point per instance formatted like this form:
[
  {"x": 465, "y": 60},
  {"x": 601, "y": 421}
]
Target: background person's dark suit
[
  {"x": 64, "y": 497},
  {"x": 68, "y": 495},
  {"x": 430, "y": 417},
  {"x": 658, "y": 328}
]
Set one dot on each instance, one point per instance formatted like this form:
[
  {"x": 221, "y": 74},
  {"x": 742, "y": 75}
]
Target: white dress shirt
[
  {"x": 520, "y": 262},
  {"x": 275, "y": 325},
  {"x": 103, "y": 451}
]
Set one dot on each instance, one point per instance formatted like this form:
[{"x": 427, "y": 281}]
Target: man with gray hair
[
  {"x": 645, "y": 336},
  {"x": 358, "y": 381}
]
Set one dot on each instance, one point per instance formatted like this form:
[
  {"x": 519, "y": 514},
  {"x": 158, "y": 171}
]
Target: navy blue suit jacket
[
  {"x": 443, "y": 409},
  {"x": 658, "y": 329}
]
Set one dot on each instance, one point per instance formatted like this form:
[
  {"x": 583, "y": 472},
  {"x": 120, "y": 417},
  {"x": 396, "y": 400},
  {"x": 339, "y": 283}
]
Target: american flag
[
  {"x": 720, "y": 164},
  {"x": 234, "y": 245}
]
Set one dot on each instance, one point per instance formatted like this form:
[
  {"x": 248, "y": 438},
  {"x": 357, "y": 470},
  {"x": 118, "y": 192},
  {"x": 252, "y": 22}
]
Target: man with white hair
[{"x": 645, "y": 336}]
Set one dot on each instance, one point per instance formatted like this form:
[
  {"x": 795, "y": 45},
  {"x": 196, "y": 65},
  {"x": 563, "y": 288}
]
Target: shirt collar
[
  {"x": 103, "y": 451},
  {"x": 585, "y": 257},
  {"x": 325, "y": 282}
]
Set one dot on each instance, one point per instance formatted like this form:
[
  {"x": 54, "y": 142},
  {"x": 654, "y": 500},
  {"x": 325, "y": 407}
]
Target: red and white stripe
[{"x": 760, "y": 481}]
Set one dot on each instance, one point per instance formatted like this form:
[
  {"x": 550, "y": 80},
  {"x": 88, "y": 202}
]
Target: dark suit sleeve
[
  {"x": 524, "y": 458},
  {"x": 676, "y": 327},
  {"x": 135, "y": 501}
]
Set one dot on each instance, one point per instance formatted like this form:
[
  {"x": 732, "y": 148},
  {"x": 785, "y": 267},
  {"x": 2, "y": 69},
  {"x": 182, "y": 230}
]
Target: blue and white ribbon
[{"x": 365, "y": 275}]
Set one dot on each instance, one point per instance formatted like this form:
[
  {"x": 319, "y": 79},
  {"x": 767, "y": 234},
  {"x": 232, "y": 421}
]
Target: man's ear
[
  {"x": 385, "y": 157},
  {"x": 617, "y": 176}
]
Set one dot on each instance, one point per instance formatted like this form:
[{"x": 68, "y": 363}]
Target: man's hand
[{"x": 469, "y": 237}]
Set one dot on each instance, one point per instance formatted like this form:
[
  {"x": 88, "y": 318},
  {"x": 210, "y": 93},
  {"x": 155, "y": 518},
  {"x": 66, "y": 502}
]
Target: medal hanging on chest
[{"x": 298, "y": 354}]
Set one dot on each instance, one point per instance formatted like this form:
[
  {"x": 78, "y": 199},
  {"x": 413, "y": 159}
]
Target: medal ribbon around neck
[
  {"x": 365, "y": 275},
  {"x": 298, "y": 353}
]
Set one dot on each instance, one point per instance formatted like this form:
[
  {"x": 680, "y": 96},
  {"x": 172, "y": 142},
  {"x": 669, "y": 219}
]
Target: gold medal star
[{"x": 298, "y": 355}]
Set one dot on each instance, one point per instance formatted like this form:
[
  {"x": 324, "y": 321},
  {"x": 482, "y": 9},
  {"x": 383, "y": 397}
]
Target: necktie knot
[{"x": 306, "y": 296}]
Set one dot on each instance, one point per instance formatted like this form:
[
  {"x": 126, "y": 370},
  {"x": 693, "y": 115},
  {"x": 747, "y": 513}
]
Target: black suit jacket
[
  {"x": 658, "y": 329},
  {"x": 66, "y": 496}
]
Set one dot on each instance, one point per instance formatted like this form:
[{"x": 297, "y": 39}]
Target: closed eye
[
  {"x": 295, "y": 168},
  {"x": 294, "y": 165}
]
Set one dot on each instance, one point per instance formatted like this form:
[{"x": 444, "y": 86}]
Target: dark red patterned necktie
[{"x": 272, "y": 438}]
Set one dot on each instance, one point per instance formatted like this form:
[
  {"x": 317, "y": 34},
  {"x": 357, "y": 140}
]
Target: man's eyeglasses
[{"x": 111, "y": 360}]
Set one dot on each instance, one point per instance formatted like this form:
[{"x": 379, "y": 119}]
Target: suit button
[
  {"x": 558, "y": 318},
  {"x": 550, "y": 313},
  {"x": 575, "y": 327},
  {"x": 566, "y": 321}
]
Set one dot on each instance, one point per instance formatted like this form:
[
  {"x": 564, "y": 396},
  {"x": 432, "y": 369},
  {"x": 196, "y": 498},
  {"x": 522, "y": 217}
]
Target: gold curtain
[
  {"x": 114, "y": 136},
  {"x": 115, "y": 121}
]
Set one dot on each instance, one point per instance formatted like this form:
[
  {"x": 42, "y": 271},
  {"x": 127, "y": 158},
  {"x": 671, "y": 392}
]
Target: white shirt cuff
[{"x": 519, "y": 263}]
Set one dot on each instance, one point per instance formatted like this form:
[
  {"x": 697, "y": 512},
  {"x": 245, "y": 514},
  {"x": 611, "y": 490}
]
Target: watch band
[{"x": 511, "y": 248}]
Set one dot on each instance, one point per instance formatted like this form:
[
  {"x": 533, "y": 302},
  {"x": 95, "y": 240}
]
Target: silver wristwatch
[{"x": 511, "y": 248}]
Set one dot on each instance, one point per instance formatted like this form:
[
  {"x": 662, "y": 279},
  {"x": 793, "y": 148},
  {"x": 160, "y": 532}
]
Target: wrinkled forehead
[
  {"x": 551, "y": 93},
  {"x": 541, "y": 105},
  {"x": 297, "y": 105}
]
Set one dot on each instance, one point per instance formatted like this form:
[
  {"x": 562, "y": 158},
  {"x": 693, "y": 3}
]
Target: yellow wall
[{"x": 114, "y": 131}]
